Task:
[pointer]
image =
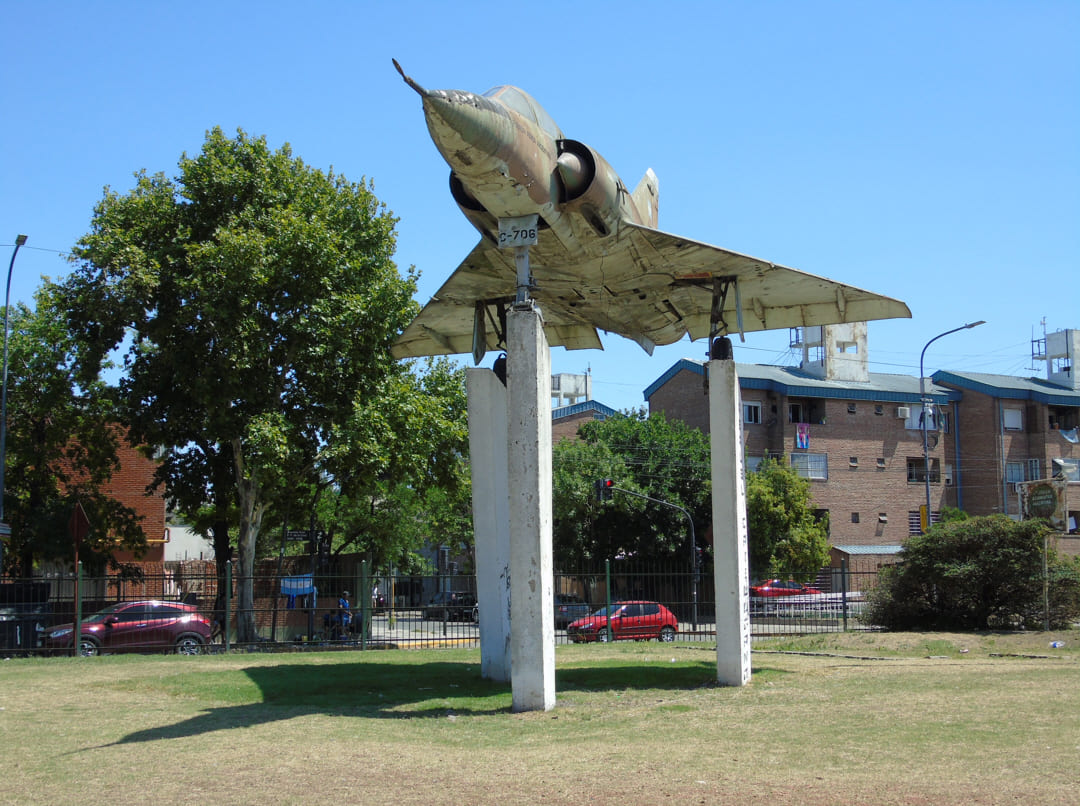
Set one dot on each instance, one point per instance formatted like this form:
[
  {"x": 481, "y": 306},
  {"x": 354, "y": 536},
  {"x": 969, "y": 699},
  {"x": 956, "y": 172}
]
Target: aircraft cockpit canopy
[{"x": 524, "y": 104}]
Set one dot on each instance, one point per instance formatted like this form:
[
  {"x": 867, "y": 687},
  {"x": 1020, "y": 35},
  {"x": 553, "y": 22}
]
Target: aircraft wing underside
[{"x": 649, "y": 286}]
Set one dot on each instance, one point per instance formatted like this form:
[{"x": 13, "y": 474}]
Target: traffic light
[
  {"x": 604, "y": 488},
  {"x": 324, "y": 551}
]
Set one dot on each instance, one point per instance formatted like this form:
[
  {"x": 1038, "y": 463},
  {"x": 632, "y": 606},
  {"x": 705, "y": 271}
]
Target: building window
[
  {"x": 811, "y": 465},
  {"x": 806, "y": 410},
  {"x": 1063, "y": 418},
  {"x": 751, "y": 413},
  {"x": 948, "y": 475},
  {"x": 853, "y": 462},
  {"x": 1012, "y": 419},
  {"x": 1034, "y": 470},
  {"x": 854, "y": 517},
  {"x": 850, "y": 408},
  {"x": 753, "y": 463},
  {"x": 914, "y": 523},
  {"x": 881, "y": 463},
  {"x": 916, "y": 470},
  {"x": 879, "y": 410},
  {"x": 1014, "y": 472}
]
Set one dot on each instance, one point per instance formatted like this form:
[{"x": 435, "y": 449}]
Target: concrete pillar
[
  {"x": 730, "y": 554},
  {"x": 491, "y": 519},
  {"x": 532, "y": 625}
]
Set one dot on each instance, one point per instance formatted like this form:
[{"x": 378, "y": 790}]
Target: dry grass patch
[{"x": 635, "y": 723}]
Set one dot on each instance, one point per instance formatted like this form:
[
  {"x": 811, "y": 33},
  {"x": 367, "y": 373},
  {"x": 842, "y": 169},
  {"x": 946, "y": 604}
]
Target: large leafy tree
[
  {"x": 582, "y": 527},
  {"x": 785, "y": 536},
  {"x": 395, "y": 475},
  {"x": 254, "y": 300},
  {"x": 60, "y": 448},
  {"x": 650, "y": 455}
]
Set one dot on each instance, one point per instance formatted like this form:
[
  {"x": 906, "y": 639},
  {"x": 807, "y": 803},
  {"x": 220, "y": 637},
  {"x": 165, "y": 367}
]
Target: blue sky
[{"x": 929, "y": 151}]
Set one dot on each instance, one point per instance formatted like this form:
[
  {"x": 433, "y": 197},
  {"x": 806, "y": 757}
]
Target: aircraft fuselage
[{"x": 600, "y": 262}]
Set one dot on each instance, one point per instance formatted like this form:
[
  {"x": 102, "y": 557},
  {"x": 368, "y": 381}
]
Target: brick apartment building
[
  {"x": 857, "y": 435},
  {"x": 1020, "y": 429},
  {"x": 128, "y": 485},
  {"x": 566, "y": 420}
]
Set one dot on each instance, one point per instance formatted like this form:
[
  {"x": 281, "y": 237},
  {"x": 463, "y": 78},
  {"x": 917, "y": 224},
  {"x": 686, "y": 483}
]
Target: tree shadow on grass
[
  {"x": 394, "y": 691},
  {"x": 371, "y": 690}
]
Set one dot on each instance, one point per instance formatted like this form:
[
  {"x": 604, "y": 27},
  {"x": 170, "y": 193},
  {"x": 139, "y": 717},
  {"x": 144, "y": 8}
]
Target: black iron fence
[{"x": 295, "y": 611}]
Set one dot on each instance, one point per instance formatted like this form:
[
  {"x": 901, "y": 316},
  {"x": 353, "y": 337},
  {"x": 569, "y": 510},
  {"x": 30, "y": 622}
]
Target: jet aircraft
[{"x": 599, "y": 261}]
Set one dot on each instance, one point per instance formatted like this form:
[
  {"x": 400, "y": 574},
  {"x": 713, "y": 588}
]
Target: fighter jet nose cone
[
  {"x": 468, "y": 129},
  {"x": 461, "y": 111}
]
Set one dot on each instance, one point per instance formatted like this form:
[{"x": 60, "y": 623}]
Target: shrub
[{"x": 979, "y": 573}]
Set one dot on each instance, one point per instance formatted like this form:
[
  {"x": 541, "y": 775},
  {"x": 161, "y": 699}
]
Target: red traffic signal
[{"x": 604, "y": 488}]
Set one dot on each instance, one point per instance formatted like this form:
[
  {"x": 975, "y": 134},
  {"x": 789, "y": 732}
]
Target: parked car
[
  {"x": 778, "y": 587},
  {"x": 637, "y": 620},
  {"x": 145, "y": 626},
  {"x": 24, "y": 612},
  {"x": 450, "y": 606},
  {"x": 568, "y": 608}
]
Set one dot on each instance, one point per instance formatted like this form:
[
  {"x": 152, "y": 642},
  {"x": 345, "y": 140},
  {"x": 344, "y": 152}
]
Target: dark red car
[
  {"x": 637, "y": 620},
  {"x": 147, "y": 626},
  {"x": 778, "y": 587}
]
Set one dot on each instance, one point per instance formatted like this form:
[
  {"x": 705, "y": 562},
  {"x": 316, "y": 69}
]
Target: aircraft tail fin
[{"x": 646, "y": 198}]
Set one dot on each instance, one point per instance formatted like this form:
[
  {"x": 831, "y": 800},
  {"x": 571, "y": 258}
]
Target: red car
[
  {"x": 778, "y": 587},
  {"x": 137, "y": 627},
  {"x": 638, "y": 620}
]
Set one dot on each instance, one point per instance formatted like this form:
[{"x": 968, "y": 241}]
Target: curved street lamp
[
  {"x": 923, "y": 401},
  {"x": 5, "y": 530}
]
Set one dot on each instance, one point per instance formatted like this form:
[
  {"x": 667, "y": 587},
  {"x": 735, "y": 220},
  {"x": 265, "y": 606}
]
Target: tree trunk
[
  {"x": 222, "y": 557},
  {"x": 251, "y": 512}
]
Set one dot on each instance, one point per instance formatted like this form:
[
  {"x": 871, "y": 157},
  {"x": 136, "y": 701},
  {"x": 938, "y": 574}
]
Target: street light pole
[
  {"x": 922, "y": 414},
  {"x": 5, "y": 530}
]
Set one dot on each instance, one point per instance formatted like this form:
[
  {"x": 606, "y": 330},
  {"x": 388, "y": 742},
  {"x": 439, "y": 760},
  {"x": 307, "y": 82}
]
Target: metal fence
[{"x": 295, "y": 611}]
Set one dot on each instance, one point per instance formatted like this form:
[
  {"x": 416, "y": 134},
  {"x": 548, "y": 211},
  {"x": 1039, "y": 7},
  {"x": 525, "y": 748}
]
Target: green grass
[{"x": 868, "y": 718}]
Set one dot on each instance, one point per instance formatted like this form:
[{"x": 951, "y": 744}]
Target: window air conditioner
[{"x": 903, "y": 412}]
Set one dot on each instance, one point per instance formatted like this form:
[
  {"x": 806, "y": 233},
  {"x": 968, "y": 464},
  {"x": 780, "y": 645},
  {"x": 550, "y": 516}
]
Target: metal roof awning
[{"x": 888, "y": 549}]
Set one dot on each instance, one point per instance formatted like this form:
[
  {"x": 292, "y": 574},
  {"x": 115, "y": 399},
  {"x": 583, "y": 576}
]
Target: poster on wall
[{"x": 1045, "y": 498}]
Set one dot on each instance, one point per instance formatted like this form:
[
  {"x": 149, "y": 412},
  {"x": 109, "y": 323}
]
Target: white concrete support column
[
  {"x": 730, "y": 554},
  {"x": 532, "y": 623},
  {"x": 491, "y": 519}
]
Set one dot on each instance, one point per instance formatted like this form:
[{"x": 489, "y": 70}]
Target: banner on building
[
  {"x": 1045, "y": 498},
  {"x": 802, "y": 435}
]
